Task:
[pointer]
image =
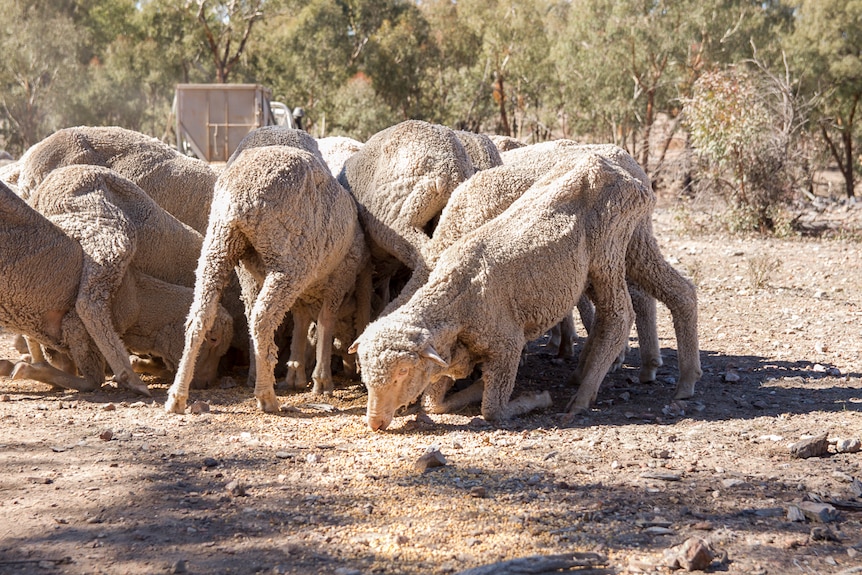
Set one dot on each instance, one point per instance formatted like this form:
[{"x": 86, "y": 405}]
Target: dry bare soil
[{"x": 106, "y": 483}]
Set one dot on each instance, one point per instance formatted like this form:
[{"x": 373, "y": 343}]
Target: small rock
[
  {"x": 236, "y": 489},
  {"x": 703, "y": 526},
  {"x": 199, "y": 407},
  {"x": 138, "y": 404},
  {"x": 210, "y": 462},
  {"x": 820, "y": 347},
  {"x": 179, "y": 567},
  {"x": 848, "y": 446},
  {"x": 658, "y": 530},
  {"x": 731, "y": 376},
  {"x": 5, "y": 398},
  {"x": 661, "y": 476},
  {"x": 693, "y": 555},
  {"x": 478, "y": 492},
  {"x": 795, "y": 514},
  {"x": 284, "y": 455},
  {"x": 811, "y": 447},
  {"x": 822, "y": 512},
  {"x": 347, "y": 571},
  {"x": 312, "y": 458},
  {"x": 856, "y": 487},
  {"x": 40, "y": 480},
  {"x": 732, "y": 482},
  {"x": 823, "y": 533},
  {"x": 430, "y": 460},
  {"x": 106, "y": 435},
  {"x": 109, "y": 407}
]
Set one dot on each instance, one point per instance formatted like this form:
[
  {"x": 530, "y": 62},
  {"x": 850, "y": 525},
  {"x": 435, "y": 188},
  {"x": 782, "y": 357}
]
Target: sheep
[
  {"x": 43, "y": 271},
  {"x": 181, "y": 185},
  {"x": 9, "y": 174},
  {"x": 481, "y": 150},
  {"x": 506, "y": 143},
  {"x": 650, "y": 276},
  {"x": 279, "y": 213},
  {"x": 505, "y": 283},
  {"x": 336, "y": 149},
  {"x": 402, "y": 178}
]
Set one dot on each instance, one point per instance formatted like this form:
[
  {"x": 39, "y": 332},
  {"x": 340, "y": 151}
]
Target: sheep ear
[
  {"x": 430, "y": 353},
  {"x": 353, "y": 347}
]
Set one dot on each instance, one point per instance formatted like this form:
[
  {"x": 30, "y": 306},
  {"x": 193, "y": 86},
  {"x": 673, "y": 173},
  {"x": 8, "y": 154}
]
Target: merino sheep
[
  {"x": 507, "y": 282},
  {"x": 481, "y": 150},
  {"x": 336, "y": 149},
  {"x": 402, "y": 178},
  {"x": 181, "y": 185},
  {"x": 650, "y": 276},
  {"x": 42, "y": 272},
  {"x": 276, "y": 136},
  {"x": 278, "y": 211}
]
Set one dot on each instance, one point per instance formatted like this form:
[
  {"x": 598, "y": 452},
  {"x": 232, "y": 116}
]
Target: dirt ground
[{"x": 106, "y": 483}]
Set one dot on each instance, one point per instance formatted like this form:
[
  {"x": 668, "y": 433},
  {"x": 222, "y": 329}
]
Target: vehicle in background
[{"x": 212, "y": 119}]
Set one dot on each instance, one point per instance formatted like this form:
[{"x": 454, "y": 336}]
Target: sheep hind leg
[
  {"x": 659, "y": 279},
  {"x": 613, "y": 320},
  {"x": 435, "y": 400},
  {"x": 47, "y": 373},
  {"x": 499, "y": 376},
  {"x": 94, "y": 311},
  {"x": 276, "y": 297},
  {"x": 648, "y": 345}
]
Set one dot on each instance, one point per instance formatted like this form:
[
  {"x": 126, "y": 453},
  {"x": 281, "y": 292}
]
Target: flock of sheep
[{"x": 415, "y": 257}]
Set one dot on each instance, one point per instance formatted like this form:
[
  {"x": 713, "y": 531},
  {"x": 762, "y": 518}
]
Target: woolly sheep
[
  {"x": 402, "y": 178},
  {"x": 278, "y": 211},
  {"x": 336, "y": 149},
  {"x": 481, "y": 150},
  {"x": 650, "y": 276},
  {"x": 179, "y": 184},
  {"x": 42, "y": 273},
  {"x": 507, "y": 282}
]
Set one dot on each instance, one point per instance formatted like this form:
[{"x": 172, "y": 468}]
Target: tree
[
  {"x": 227, "y": 26},
  {"x": 40, "y": 46},
  {"x": 827, "y": 49}
]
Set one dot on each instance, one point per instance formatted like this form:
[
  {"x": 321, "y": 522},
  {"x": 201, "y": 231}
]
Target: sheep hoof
[
  {"x": 175, "y": 404},
  {"x": 268, "y": 403},
  {"x": 6, "y": 367},
  {"x": 684, "y": 391},
  {"x": 323, "y": 388}
]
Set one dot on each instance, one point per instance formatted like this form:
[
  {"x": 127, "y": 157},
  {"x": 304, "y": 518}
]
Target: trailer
[{"x": 212, "y": 119}]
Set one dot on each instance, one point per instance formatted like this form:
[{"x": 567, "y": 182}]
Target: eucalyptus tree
[{"x": 827, "y": 50}]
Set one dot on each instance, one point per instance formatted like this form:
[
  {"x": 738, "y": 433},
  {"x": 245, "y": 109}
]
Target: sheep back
[{"x": 480, "y": 149}]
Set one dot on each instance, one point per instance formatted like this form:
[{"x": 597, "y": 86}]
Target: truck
[{"x": 212, "y": 119}]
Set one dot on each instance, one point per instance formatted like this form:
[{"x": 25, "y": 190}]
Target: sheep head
[{"x": 396, "y": 367}]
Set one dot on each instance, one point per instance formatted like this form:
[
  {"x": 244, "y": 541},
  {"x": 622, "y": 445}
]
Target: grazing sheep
[
  {"x": 402, "y": 178},
  {"x": 481, "y": 150},
  {"x": 181, "y": 185},
  {"x": 42, "y": 274},
  {"x": 335, "y": 151},
  {"x": 505, "y": 283},
  {"x": 278, "y": 211},
  {"x": 650, "y": 276}
]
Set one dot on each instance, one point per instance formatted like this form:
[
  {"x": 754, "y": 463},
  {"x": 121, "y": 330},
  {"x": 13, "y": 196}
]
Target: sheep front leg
[
  {"x": 219, "y": 255},
  {"x": 297, "y": 376},
  {"x": 322, "y": 375},
  {"x": 613, "y": 320},
  {"x": 276, "y": 297},
  {"x": 499, "y": 375}
]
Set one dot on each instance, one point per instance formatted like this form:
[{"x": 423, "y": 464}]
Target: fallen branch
[{"x": 545, "y": 565}]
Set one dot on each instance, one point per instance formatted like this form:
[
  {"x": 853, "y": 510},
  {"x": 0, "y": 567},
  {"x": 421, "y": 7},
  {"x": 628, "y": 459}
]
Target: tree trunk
[
  {"x": 849, "y": 176},
  {"x": 504, "y": 127}
]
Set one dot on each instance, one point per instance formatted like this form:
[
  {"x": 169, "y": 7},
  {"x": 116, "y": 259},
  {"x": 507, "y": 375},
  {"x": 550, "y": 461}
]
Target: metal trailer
[{"x": 212, "y": 119}]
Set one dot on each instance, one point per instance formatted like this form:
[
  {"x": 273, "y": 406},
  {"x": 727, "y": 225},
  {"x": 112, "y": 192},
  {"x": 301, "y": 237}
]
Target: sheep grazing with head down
[
  {"x": 45, "y": 277},
  {"x": 402, "y": 178},
  {"x": 650, "y": 276},
  {"x": 279, "y": 213},
  {"x": 119, "y": 226},
  {"x": 505, "y": 283},
  {"x": 181, "y": 185}
]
